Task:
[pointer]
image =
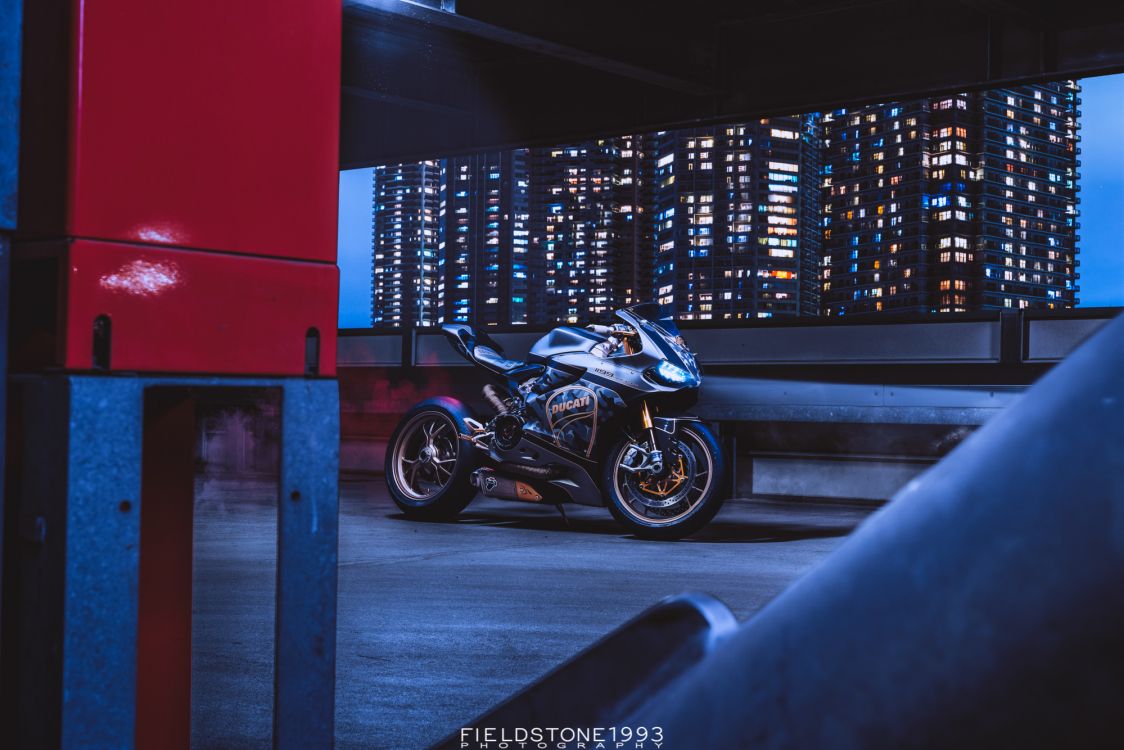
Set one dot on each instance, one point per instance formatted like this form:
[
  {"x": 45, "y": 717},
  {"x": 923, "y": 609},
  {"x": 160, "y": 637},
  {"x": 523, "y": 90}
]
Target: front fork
[
  {"x": 655, "y": 458},
  {"x": 661, "y": 432}
]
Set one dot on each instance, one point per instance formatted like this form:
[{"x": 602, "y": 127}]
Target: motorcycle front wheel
[
  {"x": 680, "y": 502},
  {"x": 428, "y": 464}
]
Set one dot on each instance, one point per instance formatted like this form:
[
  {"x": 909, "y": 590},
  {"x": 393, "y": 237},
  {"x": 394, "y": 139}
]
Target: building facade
[
  {"x": 589, "y": 226},
  {"x": 737, "y": 220},
  {"x": 489, "y": 271},
  {"x": 951, "y": 204},
  {"x": 408, "y": 273}
]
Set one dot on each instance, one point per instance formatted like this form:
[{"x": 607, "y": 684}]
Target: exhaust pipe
[{"x": 492, "y": 484}]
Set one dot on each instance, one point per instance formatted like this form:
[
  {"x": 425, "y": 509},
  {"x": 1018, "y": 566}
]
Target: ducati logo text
[{"x": 574, "y": 403}]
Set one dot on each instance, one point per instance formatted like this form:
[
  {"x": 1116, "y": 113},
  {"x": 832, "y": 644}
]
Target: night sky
[
  {"x": 1102, "y": 211},
  {"x": 355, "y": 248},
  {"x": 1102, "y": 192}
]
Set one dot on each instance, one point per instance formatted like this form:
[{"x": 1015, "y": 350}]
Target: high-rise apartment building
[
  {"x": 489, "y": 271},
  {"x": 956, "y": 203},
  {"x": 451, "y": 241},
  {"x": 947, "y": 204},
  {"x": 633, "y": 258},
  {"x": 408, "y": 272},
  {"x": 737, "y": 219},
  {"x": 589, "y": 227}
]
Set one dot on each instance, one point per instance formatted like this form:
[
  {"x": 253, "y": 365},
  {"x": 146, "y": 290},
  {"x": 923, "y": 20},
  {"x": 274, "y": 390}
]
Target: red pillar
[
  {"x": 180, "y": 169},
  {"x": 177, "y": 216}
]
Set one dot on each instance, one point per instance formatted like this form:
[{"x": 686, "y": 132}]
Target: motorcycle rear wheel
[
  {"x": 679, "y": 504},
  {"x": 428, "y": 464}
]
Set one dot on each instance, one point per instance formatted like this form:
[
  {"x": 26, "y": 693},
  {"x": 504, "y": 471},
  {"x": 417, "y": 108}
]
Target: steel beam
[
  {"x": 640, "y": 70},
  {"x": 806, "y": 346},
  {"x": 378, "y": 11}
]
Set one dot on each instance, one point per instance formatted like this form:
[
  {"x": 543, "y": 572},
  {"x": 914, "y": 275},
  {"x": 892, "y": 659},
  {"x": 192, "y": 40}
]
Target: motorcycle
[{"x": 593, "y": 416}]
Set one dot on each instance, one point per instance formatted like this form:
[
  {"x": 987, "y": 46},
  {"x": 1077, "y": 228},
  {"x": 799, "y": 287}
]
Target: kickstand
[{"x": 565, "y": 518}]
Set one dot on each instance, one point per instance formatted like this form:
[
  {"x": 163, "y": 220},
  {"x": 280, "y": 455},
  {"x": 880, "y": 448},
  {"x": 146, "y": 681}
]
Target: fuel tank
[{"x": 562, "y": 340}]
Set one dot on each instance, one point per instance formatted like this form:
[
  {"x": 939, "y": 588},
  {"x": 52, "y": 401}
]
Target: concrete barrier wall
[{"x": 837, "y": 477}]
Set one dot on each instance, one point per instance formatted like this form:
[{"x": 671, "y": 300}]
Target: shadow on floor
[{"x": 772, "y": 526}]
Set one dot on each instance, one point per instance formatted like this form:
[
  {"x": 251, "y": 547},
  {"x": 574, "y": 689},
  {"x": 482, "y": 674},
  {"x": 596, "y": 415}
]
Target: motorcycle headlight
[{"x": 670, "y": 375}]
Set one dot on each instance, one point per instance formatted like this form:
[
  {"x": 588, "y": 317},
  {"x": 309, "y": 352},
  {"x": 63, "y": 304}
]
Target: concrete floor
[{"x": 438, "y": 622}]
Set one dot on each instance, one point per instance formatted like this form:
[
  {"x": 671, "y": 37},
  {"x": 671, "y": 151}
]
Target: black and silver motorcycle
[{"x": 593, "y": 416}]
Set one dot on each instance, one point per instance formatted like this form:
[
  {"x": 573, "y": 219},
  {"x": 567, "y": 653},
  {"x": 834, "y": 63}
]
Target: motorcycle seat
[
  {"x": 482, "y": 349},
  {"x": 493, "y": 360}
]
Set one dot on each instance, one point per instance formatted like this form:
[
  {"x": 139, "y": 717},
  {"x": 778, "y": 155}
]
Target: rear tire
[
  {"x": 666, "y": 510},
  {"x": 428, "y": 464}
]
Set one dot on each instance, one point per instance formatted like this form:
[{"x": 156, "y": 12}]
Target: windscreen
[{"x": 661, "y": 315}]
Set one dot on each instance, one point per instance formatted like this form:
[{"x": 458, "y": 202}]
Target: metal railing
[{"x": 1007, "y": 338}]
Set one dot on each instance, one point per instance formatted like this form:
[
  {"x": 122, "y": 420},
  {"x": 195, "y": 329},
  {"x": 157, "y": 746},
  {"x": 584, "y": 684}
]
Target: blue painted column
[
  {"x": 71, "y": 657},
  {"x": 307, "y": 553},
  {"x": 103, "y": 507},
  {"x": 70, "y": 650}
]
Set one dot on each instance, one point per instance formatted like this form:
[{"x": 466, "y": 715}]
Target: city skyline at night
[
  {"x": 623, "y": 231},
  {"x": 720, "y": 223}
]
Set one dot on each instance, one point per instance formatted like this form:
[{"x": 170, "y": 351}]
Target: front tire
[
  {"x": 428, "y": 464},
  {"x": 680, "y": 503}
]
